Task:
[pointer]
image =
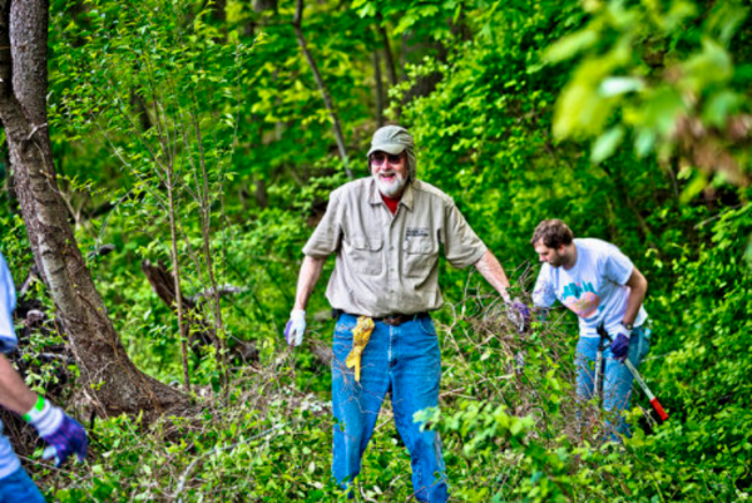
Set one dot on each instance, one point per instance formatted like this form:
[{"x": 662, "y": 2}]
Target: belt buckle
[{"x": 393, "y": 320}]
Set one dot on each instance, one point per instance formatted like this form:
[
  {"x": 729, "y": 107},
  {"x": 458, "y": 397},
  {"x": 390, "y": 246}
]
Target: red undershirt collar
[{"x": 390, "y": 203}]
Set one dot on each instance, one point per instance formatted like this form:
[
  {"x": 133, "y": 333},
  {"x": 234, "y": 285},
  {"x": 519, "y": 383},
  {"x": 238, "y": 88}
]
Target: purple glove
[
  {"x": 620, "y": 346},
  {"x": 69, "y": 438},
  {"x": 295, "y": 327},
  {"x": 519, "y": 314},
  {"x": 64, "y": 434}
]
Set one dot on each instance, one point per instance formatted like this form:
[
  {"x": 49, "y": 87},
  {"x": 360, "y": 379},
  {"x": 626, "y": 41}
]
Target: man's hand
[
  {"x": 620, "y": 346},
  {"x": 64, "y": 434},
  {"x": 295, "y": 327},
  {"x": 519, "y": 314}
]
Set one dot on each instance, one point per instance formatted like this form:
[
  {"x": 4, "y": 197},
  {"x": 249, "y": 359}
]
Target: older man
[
  {"x": 386, "y": 232},
  {"x": 62, "y": 433},
  {"x": 603, "y": 287}
]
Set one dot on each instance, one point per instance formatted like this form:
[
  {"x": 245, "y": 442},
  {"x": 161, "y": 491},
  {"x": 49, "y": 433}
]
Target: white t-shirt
[
  {"x": 9, "y": 462},
  {"x": 594, "y": 288}
]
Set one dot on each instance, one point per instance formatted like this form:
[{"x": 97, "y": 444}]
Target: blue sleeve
[{"x": 8, "y": 338}]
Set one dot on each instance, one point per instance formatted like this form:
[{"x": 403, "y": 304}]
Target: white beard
[{"x": 393, "y": 188}]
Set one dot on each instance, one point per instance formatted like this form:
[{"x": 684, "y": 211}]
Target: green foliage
[
  {"x": 653, "y": 68},
  {"x": 148, "y": 92}
]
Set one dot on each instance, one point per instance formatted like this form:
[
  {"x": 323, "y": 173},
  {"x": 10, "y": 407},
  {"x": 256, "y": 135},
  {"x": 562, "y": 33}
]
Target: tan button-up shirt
[{"x": 389, "y": 264}]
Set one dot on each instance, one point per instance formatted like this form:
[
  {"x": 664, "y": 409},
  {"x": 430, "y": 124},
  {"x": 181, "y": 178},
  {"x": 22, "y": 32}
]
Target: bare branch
[{"x": 297, "y": 24}]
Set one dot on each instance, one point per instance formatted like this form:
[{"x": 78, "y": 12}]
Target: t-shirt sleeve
[
  {"x": 616, "y": 266},
  {"x": 8, "y": 339},
  {"x": 462, "y": 246},
  {"x": 543, "y": 292},
  {"x": 326, "y": 239}
]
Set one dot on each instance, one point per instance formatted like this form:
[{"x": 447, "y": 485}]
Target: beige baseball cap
[{"x": 392, "y": 140}]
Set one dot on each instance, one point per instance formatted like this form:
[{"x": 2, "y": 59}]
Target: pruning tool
[{"x": 599, "y": 358}]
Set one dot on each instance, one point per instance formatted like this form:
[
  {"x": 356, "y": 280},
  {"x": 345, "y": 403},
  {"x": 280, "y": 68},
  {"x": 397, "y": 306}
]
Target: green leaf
[
  {"x": 571, "y": 45},
  {"x": 720, "y": 106},
  {"x": 606, "y": 144},
  {"x": 661, "y": 109},
  {"x": 614, "y": 86},
  {"x": 699, "y": 182},
  {"x": 644, "y": 142}
]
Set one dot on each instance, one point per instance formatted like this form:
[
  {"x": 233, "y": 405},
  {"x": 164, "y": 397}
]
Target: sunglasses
[{"x": 378, "y": 159}]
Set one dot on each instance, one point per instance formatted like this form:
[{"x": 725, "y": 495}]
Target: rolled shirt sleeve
[
  {"x": 327, "y": 237},
  {"x": 462, "y": 246}
]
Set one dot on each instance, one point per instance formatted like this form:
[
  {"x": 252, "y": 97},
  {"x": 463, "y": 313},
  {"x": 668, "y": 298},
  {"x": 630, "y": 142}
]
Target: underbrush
[{"x": 510, "y": 426}]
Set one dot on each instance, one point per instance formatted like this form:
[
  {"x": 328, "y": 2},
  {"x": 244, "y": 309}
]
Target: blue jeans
[
  {"x": 19, "y": 488},
  {"x": 406, "y": 360},
  {"x": 617, "y": 379}
]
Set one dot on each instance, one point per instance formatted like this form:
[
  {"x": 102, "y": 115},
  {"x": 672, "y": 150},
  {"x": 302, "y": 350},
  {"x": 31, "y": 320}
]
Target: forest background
[{"x": 194, "y": 147}]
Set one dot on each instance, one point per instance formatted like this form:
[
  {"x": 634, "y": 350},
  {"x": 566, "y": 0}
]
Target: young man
[
  {"x": 63, "y": 434},
  {"x": 603, "y": 287},
  {"x": 386, "y": 232}
]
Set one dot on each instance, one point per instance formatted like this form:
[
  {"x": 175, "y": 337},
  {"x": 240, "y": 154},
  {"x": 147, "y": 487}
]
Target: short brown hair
[{"x": 552, "y": 233}]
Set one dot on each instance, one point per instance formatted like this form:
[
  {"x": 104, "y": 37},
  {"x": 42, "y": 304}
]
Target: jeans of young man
[
  {"x": 617, "y": 379},
  {"x": 405, "y": 360},
  {"x": 19, "y": 488}
]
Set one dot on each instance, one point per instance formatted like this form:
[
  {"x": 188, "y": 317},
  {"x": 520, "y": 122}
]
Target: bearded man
[{"x": 386, "y": 232}]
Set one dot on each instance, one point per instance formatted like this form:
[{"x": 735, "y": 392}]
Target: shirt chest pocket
[
  {"x": 420, "y": 257},
  {"x": 365, "y": 255}
]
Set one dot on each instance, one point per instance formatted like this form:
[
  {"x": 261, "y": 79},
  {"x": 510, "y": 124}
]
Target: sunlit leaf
[
  {"x": 606, "y": 144},
  {"x": 614, "y": 86},
  {"x": 570, "y": 46}
]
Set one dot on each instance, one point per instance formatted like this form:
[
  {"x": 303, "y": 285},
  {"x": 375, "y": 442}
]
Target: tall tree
[
  {"x": 297, "y": 23},
  {"x": 108, "y": 376}
]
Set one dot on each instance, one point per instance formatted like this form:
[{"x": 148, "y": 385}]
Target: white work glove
[{"x": 295, "y": 327}]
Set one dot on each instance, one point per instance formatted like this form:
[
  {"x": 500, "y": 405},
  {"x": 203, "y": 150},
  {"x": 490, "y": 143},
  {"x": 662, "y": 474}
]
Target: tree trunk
[
  {"x": 297, "y": 23},
  {"x": 391, "y": 71},
  {"x": 389, "y": 63},
  {"x": 108, "y": 376},
  {"x": 264, "y": 5},
  {"x": 380, "y": 101}
]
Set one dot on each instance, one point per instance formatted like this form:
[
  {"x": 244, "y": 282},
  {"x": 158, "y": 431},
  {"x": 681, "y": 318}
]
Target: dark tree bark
[
  {"x": 219, "y": 11},
  {"x": 380, "y": 101},
  {"x": 388, "y": 62},
  {"x": 297, "y": 23},
  {"x": 390, "y": 69},
  {"x": 264, "y": 5},
  {"x": 6, "y": 179},
  {"x": 108, "y": 376},
  {"x": 260, "y": 193}
]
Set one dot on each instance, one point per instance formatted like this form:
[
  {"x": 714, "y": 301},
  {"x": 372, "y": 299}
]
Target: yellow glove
[{"x": 361, "y": 335}]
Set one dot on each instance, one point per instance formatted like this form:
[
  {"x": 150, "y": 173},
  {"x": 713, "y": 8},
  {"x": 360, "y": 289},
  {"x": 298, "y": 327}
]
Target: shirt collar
[{"x": 408, "y": 197}]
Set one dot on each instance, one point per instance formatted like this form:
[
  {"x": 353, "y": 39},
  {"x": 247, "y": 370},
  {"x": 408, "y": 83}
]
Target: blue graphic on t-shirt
[
  {"x": 575, "y": 290},
  {"x": 581, "y": 299}
]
